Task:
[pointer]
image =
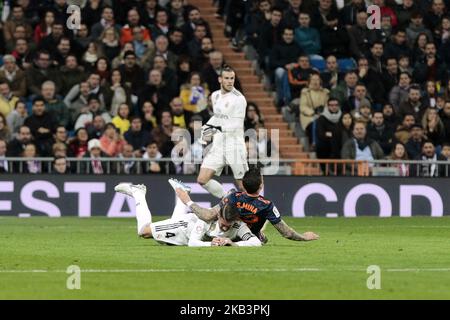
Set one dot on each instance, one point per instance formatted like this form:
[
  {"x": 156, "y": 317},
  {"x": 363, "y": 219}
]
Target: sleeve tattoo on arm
[
  {"x": 288, "y": 232},
  {"x": 204, "y": 213}
]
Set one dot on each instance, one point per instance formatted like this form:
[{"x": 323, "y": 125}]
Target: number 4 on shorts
[{"x": 170, "y": 234}]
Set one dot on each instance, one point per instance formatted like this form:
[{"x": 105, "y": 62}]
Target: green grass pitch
[{"x": 413, "y": 255}]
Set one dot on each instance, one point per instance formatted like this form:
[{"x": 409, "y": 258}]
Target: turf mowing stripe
[
  {"x": 228, "y": 270},
  {"x": 165, "y": 270},
  {"x": 420, "y": 270}
]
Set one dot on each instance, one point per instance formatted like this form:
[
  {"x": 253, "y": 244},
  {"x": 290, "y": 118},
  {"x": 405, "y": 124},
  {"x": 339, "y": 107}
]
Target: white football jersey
[
  {"x": 229, "y": 111},
  {"x": 191, "y": 231},
  {"x": 205, "y": 232}
]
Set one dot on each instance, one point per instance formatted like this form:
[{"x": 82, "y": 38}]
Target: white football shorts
[{"x": 220, "y": 156}]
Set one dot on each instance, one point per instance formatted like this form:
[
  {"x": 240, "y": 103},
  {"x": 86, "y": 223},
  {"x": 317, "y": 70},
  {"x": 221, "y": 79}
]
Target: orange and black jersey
[{"x": 254, "y": 210}]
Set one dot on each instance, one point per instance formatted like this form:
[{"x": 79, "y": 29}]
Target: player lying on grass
[
  {"x": 254, "y": 209},
  {"x": 183, "y": 229}
]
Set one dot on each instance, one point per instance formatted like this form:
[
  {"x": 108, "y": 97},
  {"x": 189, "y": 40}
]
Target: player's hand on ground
[
  {"x": 183, "y": 195},
  {"x": 308, "y": 236},
  {"x": 220, "y": 242},
  {"x": 215, "y": 242},
  {"x": 226, "y": 242}
]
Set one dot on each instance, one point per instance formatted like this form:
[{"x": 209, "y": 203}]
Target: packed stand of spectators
[
  {"x": 356, "y": 92},
  {"x": 118, "y": 86}
]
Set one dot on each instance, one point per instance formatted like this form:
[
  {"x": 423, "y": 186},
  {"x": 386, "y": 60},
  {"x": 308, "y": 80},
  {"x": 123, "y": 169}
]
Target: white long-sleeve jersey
[
  {"x": 229, "y": 112},
  {"x": 202, "y": 233}
]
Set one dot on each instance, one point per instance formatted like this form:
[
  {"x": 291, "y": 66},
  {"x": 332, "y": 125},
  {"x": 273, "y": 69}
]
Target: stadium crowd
[
  {"x": 136, "y": 70},
  {"x": 357, "y": 92}
]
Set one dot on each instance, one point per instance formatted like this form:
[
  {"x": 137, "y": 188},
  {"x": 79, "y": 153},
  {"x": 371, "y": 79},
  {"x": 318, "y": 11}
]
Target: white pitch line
[
  {"x": 420, "y": 270},
  {"x": 25, "y": 271},
  {"x": 165, "y": 270},
  {"x": 229, "y": 270}
]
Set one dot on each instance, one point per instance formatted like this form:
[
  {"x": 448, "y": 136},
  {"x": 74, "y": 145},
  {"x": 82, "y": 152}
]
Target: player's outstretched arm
[
  {"x": 204, "y": 214},
  {"x": 251, "y": 242},
  {"x": 291, "y": 234}
]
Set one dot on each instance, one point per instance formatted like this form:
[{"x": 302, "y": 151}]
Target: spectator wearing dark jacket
[
  {"x": 431, "y": 169},
  {"x": 435, "y": 14},
  {"x": 177, "y": 43},
  {"x": 71, "y": 74},
  {"x": 195, "y": 45},
  {"x": 96, "y": 127},
  {"x": 433, "y": 126},
  {"x": 416, "y": 27},
  {"x": 54, "y": 105},
  {"x": 390, "y": 76},
  {"x": 344, "y": 90},
  {"x": 398, "y": 46},
  {"x": 136, "y": 136},
  {"x": 286, "y": 51},
  {"x": 283, "y": 57},
  {"x": 156, "y": 91},
  {"x": 40, "y": 72},
  {"x": 404, "y": 12},
  {"x": 348, "y": 14},
  {"x": 194, "y": 18},
  {"x": 327, "y": 131},
  {"x": 17, "y": 145},
  {"x": 331, "y": 77},
  {"x": 372, "y": 80},
  {"x": 41, "y": 125},
  {"x": 128, "y": 166},
  {"x": 133, "y": 76},
  {"x": 50, "y": 42},
  {"x": 334, "y": 38},
  {"x": 430, "y": 67},
  {"x": 379, "y": 131},
  {"x": 320, "y": 12},
  {"x": 413, "y": 105},
  {"x": 162, "y": 134},
  {"x": 445, "y": 117},
  {"x": 414, "y": 144},
  {"x": 269, "y": 35},
  {"x": 361, "y": 38}
]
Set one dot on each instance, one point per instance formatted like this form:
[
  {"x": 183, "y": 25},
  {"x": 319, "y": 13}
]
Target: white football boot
[
  {"x": 177, "y": 184},
  {"x": 129, "y": 189}
]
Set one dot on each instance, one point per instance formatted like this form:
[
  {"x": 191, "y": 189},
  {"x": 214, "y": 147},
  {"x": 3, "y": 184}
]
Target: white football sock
[
  {"x": 215, "y": 188},
  {"x": 180, "y": 210},
  {"x": 143, "y": 214}
]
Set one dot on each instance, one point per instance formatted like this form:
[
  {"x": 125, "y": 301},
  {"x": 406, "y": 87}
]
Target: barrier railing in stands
[
  {"x": 364, "y": 168},
  {"x": 302, "y": 167}
]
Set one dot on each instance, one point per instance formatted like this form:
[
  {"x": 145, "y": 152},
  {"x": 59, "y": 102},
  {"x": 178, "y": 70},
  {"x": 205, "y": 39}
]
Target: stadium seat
[
  {"x": 318, "y": 64},
  {"x": 346, "y": 64}
]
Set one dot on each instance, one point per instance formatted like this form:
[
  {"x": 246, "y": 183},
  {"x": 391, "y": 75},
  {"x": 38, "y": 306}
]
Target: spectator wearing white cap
[
  {"x": 13, "y": 75},
  {"x": 95, "y": 165}
]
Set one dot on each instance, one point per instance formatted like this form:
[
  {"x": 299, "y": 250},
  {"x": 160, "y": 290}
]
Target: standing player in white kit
[{"x": 226, "y": 127}]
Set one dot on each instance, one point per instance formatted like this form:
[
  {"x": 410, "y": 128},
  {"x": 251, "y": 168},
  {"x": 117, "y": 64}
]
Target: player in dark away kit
[{"x": 254, "y": 209}]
